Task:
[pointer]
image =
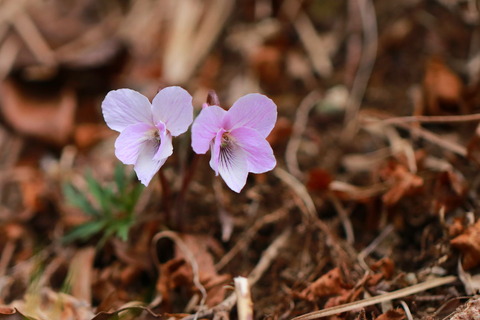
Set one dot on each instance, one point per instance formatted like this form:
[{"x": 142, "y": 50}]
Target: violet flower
[
  {"x": 237, "y": 138},
  {"x": 146, "y": 129}
]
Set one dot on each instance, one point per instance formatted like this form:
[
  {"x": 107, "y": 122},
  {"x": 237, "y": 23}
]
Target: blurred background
[{"x": 59, "y": 58}]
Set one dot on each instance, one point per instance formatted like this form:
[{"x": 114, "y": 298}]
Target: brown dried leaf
[
  {"x": 469, "y": 244},
  {"x": 347, "y": 296},
  {"x": 50, "y": 119},
  {"x": 87, "y": 135},
  {"x": 44, "y": 303},
  {"x": 281, "y": 132},
  {"x": 81, "y": 274},
  {"x": 473, "y": 147},
  {"x": 402, "y": 182},
  {"x": 329, "y": 284},
  {"x": 442, "y": 90},
  {"x": 8, "y": 313},
  {"x": 392, "y": 314},
  {"x": 319, "y": 179},
  {"x": 267, "y": 62},
  {"x": 450, "y": 190},
  {"x": 34, "y": 191},
  {"x": 177, "y": 272},
  {"x": 456, "y": 227},
  {"x": 470, "y": 310},
  {"x": 386, "y": 266}
]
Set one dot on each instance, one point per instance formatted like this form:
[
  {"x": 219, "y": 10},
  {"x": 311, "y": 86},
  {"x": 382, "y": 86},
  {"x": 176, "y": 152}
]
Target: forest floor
[{"x": 372, "y": 211}]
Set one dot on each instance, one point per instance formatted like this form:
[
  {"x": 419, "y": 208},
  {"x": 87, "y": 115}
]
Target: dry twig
[
  {"x": 189, "y": 257},
  {"x": 429, "y": 119},
  {"x": 429, "y": 284},
  {"x": 344, "y": 217},
  {"x": 367, "y": 61},
  {"x": 247, "y": 236},
  {"x": 298, "y": 129},
  {"x": 244, "y": 298},
  {"x": 373, "y": 245},
  {"x": 34, "y": 39},
  {"x": 267, "y": 258},
  {"x": 423, "y": 133}
]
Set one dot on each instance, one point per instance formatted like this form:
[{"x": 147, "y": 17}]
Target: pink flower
[
  {"x": 146, "y": 129},
  {"x": 237, "y": 138}
]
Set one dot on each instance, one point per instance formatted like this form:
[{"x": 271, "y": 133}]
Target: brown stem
[
  {"x": 180, "y": 201},
  {"x": 166, "y": 195}
]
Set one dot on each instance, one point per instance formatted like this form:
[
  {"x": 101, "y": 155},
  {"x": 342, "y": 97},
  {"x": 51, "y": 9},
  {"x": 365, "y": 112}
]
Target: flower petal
[
  {"x": 233, "y": 167},
  {"x": 206, "y": 126},
  {"x": 173, "y": 106},
  {"x": 260, "y": 156},
  {"x": 146, "y": 167},
  {"x": 130, "y": 141},
  {"x": 165, "y": 149},
  {"x": 254, "y": 111},
  {"x": 124, "y": 107},
  {"x": 215, "y": 151}
]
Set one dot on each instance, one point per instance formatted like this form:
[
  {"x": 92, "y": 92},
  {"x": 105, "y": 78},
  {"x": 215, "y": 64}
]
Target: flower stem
[
  {"x": 180, "y": 200},
  {"x": 166, "y": 195}
]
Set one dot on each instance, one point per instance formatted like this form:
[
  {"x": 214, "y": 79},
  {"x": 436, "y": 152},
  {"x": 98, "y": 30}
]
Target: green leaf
[
  {"x": 123, "y": 229},
  {"x": 98, "y": 193},
  {"x": 132, "y": 198},
  {"x": 108, "y": 232},
  {"x": 120, "y": 179},
  {"x": 77, "y": 199},
  {"x": 85, "y": 231}
]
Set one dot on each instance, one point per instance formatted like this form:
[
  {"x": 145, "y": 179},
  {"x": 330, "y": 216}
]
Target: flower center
[
  {"x": 226, "y": 140},
  {"x": 227, "y": 146},
  {"x": 153, "y": 134}
]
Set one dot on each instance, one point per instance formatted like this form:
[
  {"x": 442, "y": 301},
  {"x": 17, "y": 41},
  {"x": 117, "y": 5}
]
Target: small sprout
[{"x": 112, "y": 213}]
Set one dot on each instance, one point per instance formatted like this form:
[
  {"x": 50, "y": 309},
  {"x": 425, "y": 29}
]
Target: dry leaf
[
  {"x": 267, "y": 62},
  {"x": 401, "y": 181},
  {"x": 347, "y": 296},
  {"x": 50, "y": 119},
  {"x": 442, "y": 90},
  {"x": 473, "y": 147},
  {"x": 8, "y": 313},
  {"x": 87, "y": 135},
  {"x": 469, "y": 244},
  {"x": 281, "y": 132},
  {"x": 45, "y": 304},
  {"x": 319, "y": 179},
  {"x": 34, "y": 192},
  {"x": 81, "y": 274},
  {"x": 470, "y": 311},
  {"x": 330, "y": 284},
  {"x": 456, "y": 227},
  {"x": 392, "y": 314},
  {"x": 176, "y": 272},
  {"x": 450, "y": 190},
  {"x": 386, "y": 266}
]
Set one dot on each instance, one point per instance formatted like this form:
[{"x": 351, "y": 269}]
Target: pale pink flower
[
  {"x": 146, "y": 129},
  {"x": 236, "y": 138}
]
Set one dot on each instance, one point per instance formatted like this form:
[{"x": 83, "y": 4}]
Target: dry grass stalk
[
  {"x": 429, "y": 284},
  {"x": 244, "y": 299},
  {"x": 193, "y": 29},
  {"x": 370, "y": 43},
  {"x": 262, "y": 266},
  {"x": 301, "y": 119}
]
